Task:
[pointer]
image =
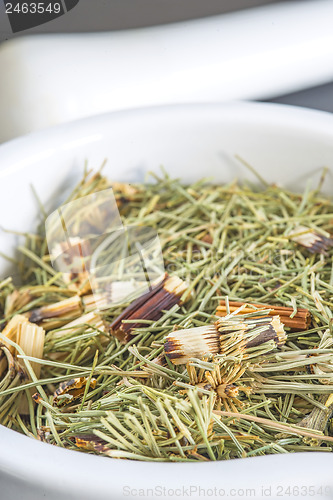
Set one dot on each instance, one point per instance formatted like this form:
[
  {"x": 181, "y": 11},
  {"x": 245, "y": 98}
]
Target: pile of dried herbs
[{"x": 108, "y": 383}]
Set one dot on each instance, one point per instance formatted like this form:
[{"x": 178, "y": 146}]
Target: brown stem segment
[
  {"x": 149, "y": 306},
  {"x": 300, "y": 321},
  {"x": 238, "y": 335},
  {"x": 68, "y": 308}
]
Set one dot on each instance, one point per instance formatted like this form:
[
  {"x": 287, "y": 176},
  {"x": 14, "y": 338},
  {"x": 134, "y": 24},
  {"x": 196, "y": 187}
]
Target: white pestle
[{"x": 256, "y": 53}]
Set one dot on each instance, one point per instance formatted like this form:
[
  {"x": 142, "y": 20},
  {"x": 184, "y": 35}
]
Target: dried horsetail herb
[
  {"x": 220, "y": 377},
  {"x": 234, "y": 334},
  {"x": 299, "y": 320},
  {"x": 310, "y": 239},
  {"x": 318, "y": 418},
  {"x": 68, "y": 308},
  {"x": 150, "y": 306},
  {"x": 11, "y": 330},
  {"x": 182, "y": 345},
  {"x": 220, "y": 241},
  {"x": 72, "y": 390},
  {"x": 30, "y": 338}
]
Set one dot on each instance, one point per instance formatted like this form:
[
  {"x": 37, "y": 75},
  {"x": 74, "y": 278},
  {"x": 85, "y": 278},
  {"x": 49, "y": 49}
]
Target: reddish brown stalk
[
  {"x": 149, "y": 306},
  {"x": 300, "y": 321}
]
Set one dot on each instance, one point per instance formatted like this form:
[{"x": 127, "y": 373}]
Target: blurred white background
[{"x": 39, "y": 87}]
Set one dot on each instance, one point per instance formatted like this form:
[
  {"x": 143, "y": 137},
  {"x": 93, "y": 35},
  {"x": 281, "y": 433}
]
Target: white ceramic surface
[
  {"x": 252, "y": 54},
  {"x": 286, "y": 145}
]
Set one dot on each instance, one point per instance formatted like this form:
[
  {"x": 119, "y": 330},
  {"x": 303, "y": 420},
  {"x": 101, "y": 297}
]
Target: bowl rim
[{"x": 305, "y": 119}]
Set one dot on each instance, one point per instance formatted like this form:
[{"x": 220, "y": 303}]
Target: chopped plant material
[
  {"x": 227, "y": 355},
  {"x": 149, "y": 306},
  {"x": 71, "y": 307},
  {"x": 232, "y": 335},
  {"x": 299, "y": 321},
  {"x": 311, "y": 239},
  {"x": 71, "y": 390}
]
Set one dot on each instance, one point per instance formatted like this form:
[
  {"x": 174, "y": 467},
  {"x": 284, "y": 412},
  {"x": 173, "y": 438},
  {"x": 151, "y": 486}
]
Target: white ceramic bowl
[{"x": 286, "y": 145}]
